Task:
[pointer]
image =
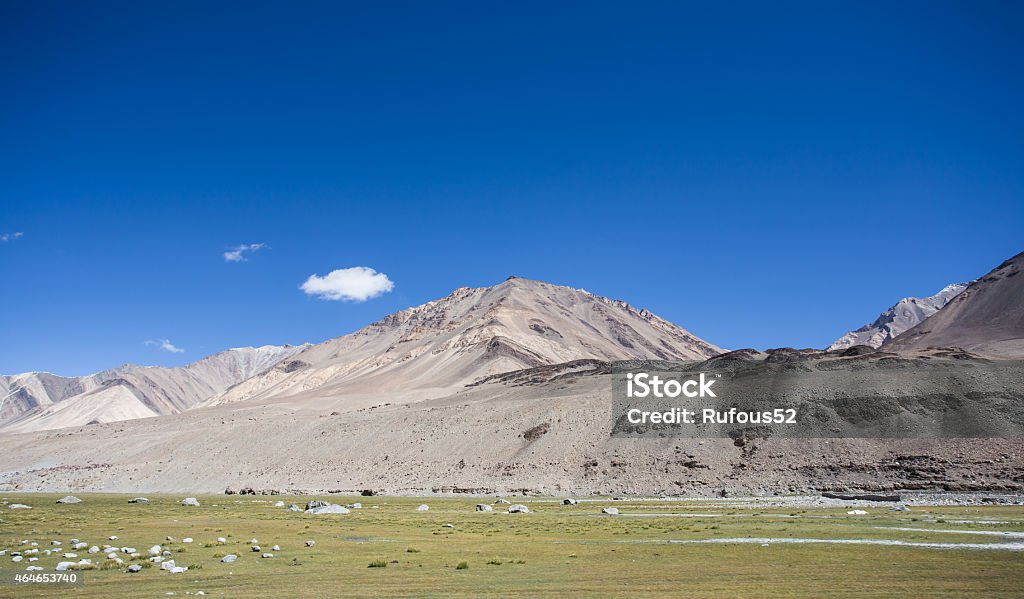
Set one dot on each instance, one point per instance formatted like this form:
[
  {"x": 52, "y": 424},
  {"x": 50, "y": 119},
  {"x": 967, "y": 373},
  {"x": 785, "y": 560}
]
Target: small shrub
[
  {"x": 494, "y": 562},
  {"x": 462, "y": 566},
  {"x": 532, "y": 434},
  {"x": 412, "y": 550},
  {"x": 378, "y": 563}
]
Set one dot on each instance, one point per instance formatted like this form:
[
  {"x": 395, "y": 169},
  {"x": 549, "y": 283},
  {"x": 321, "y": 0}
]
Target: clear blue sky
[{"x": 764, "y": 175}]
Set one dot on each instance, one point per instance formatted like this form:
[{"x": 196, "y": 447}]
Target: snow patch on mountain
[{"x": 906, "y": 314}]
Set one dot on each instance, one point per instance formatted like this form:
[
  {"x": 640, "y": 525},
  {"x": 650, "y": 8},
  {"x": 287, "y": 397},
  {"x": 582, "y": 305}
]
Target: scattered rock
[
  {"x": 64, "y": 566},
  {"x": 899, "y": 508},
  {"x": 221, "y": 540},
  {"x": 483, "y": 507},
  {"x": 190, "y": 502},
  {"x": 278, "y": 504},
  {"x": 501, "y": 501},
  {"x": 310, "y": 543},
  {"x": 355, "y": 506},
  {"x": 275, "y": 548},
  {"x": 518, "y": 508},
  {"x": 187, "y": 540},
  {"x": 69, "y": 499},
  {"x": 256, "y": 549},
  {"x": 294, "y": 508},
  {"x": 614, "y": 511},
  {"x": 266, "y": 555},
  {"x": 423, "y": 507},
  {"x": 569, "y": 501},
  {"x": 135, "y": 568},
  {"x": 155, "y": 550},
  {"x": 19, "y": 506},
  {"x": 33, "y": 568},
  {"x": 315, "y": 504},
  {"x": 857, "y": 513},
  {"x": 227, "y": 559},
  {"x": 138, "y": 500}
]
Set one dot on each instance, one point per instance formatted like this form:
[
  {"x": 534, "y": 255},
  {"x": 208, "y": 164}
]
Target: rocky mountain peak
[
  {"x": 480, "y": 331},
  {"x": 903, "y": 315}
]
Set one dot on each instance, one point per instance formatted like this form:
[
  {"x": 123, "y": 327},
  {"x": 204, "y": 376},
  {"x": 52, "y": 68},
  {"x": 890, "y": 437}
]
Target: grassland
[{"x": 553, "y": 551}]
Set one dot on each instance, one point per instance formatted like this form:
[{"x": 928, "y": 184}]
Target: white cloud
[
  {"x": 238, "y": 253},
  {"x": 11, "y": 236},
  {"x": 166, "y": 345},
  {"x": 356, "y": 284}
]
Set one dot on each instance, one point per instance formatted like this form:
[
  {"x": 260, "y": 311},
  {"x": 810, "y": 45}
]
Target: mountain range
[
  {"x": 40, "y": 400},
  {"x": 499, "y": 388}
]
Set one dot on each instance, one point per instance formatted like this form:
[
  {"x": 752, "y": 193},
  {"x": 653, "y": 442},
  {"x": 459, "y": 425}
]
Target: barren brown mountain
[{"x": 987, "y": 318}]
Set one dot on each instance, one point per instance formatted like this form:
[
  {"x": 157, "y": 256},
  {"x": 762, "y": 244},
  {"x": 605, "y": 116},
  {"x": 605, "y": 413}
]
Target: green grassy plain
[{"x": 554, "y": 551}]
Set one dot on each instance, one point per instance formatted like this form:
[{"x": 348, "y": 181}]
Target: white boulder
[{"x": 328, "y": 509}]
